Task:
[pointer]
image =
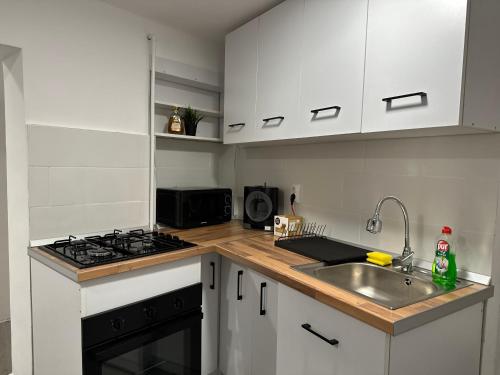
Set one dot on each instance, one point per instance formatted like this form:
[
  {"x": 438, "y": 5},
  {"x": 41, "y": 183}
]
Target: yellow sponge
[{"x": 381, "y": 259}]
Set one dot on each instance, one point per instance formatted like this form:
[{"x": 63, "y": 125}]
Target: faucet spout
[{"x": 374, "y": 225}]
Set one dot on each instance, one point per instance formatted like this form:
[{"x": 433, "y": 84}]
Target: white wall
[
  {"x": 84, "y": 181},
  {"x": 85, "y": 65},
  {"x": 86, "y": 62},
  {"x": 185, "y": 164},
  {"x": 443, "y": 181}
]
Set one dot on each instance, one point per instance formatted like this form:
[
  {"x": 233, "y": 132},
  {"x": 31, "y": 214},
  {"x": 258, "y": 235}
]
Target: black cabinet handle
[
  {"x": 262, "y": 308},
  {"x": 316, "y": 111},
  {"x": 238, "y": 124},
  {"x": 239, "y": 296},
  {"x": 308, "y": 328},
  {"x": 391, "y": 98},
  {"x": 212, "y": 265},
  {"x": 273, "y": 118}
]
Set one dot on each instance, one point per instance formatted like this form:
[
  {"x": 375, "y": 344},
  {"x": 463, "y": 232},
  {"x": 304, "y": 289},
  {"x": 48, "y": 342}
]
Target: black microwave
[{"x": 193, "y": 207}]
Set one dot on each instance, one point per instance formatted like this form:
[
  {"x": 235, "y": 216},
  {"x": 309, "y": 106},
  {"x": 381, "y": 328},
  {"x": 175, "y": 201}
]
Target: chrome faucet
[{"x": 374, "y": 226}]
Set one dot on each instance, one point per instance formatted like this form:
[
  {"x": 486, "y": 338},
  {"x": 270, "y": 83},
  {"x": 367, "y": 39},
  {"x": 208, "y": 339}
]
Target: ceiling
[{"x": 208, "y": 19}]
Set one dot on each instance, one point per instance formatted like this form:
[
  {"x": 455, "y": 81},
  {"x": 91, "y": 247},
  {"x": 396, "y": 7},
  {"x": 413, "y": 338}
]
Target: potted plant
[{"x": 191, "y": 119}]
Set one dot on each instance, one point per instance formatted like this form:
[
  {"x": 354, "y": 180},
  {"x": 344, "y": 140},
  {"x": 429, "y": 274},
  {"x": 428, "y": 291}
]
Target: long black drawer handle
[
  {"x": 212, "y": 265},
  {"x": 316, "y": 111},
  {"x": 235, "y": 125},
  {"x": 262, "y": 308},
  {"x": 239, "y": 296},
  {"x": 391, "y": 98},
  {"x": 308, "y": 328},
  {"x": 273, "y": 118}
]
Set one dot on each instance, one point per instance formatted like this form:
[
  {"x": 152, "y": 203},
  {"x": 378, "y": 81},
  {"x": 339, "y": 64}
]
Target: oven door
[{"x": 168, "y": 348}]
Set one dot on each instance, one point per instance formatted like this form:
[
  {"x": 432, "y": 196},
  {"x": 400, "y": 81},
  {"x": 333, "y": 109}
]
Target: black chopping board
[{"x": 323, "y": 249}]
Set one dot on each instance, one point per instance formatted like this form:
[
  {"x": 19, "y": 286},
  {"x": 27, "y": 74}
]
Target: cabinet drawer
[
  {"x": 119, "y": 290},
  {"x": 361, "y": 349}
]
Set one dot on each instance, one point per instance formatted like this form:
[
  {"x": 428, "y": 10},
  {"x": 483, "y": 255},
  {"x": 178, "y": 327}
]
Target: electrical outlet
[{"x": 296, "y": 189}]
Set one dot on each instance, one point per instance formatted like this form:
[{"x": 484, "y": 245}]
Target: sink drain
[{"x": 408, "y": 281}]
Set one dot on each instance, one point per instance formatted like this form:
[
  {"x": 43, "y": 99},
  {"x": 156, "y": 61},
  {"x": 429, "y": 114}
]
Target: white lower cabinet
[
  {"x": 264, "y": 324},
  {"x": 210, "y": 277},
  {"x": 235, "y": 325},
  {"x": 306, "y": 329},
  {"x": 248, "y": 316}
]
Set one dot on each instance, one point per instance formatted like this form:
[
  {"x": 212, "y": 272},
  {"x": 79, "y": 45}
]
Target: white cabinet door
[
  {"x": 280, "y": 51},
  {"x": 210, "y": 277},
  {"x": 235, "y": 320},
  {"x": 264, "y": 309},
  {"x": 332, "y": 67},
  {"x": 361, "y": 349},
  {"x": 240, "y": 83},
  {"x": 416, "y": 48}
]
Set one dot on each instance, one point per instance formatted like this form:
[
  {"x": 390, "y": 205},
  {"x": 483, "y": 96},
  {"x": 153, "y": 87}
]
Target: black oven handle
[{"x": 107, "y": 350}]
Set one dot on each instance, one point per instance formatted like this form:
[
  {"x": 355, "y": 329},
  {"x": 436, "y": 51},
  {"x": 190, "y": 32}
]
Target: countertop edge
[
  {"x": 406, "y": 324},
  {"x": 52, "y": 263}
]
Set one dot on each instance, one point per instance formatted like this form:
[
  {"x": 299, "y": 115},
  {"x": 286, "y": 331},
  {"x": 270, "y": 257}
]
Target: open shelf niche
[
  {"x": 181, "y": 85},
  {"x": 182, "y": 160}
]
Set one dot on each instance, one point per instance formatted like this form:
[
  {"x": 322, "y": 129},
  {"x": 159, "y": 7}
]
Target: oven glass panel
[
  {"x": 167, "y": 356},
  {"x": 172, "y": 348}
]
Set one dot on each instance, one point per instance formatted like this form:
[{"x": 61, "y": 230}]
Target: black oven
[
  {"x": 158, "y": 336},
  {"x": 193, "y": 207}
]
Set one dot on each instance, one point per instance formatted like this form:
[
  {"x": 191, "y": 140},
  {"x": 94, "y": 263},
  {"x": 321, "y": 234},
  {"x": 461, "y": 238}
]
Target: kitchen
[{"x": 82, "y": 160}]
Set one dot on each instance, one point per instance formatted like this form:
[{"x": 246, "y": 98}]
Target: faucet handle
[{"x": 405, "y": 261}]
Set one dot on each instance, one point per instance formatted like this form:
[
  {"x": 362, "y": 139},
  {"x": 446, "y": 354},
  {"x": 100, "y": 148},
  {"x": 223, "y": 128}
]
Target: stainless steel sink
[{"x": 384, "y": 286}]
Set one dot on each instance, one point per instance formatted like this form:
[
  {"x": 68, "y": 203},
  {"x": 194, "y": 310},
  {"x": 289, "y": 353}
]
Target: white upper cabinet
[
  {"x": 240, "y": 83},
  {"x": 280, "y": 51},
  {"x": 310, "y": 68},
  {"x": 414, "y": 64},
  {"x": 333, "y": 58}
]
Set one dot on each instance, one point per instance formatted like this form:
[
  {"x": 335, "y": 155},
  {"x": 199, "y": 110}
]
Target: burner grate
[{"x": 113, "y": 247}]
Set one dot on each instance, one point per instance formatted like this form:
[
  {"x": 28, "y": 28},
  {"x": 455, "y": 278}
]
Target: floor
[{"x": 5, "y": 358}]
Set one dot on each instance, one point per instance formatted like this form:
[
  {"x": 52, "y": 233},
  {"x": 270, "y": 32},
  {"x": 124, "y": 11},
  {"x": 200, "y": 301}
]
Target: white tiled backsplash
[
  {"x": 83, "y": 181},
  {"x": 184, "y": 164},
  {"x": 442, "y": 180}
]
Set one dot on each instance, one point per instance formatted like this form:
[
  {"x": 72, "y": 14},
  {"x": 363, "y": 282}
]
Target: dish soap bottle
[
  {"x": 444, "y": 268},
  {"x": 175, "y": 125}
]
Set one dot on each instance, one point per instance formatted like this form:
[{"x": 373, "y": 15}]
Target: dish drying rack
[
  {"x": 309, "y": 240},
  {"x": 300, "y": 230}
]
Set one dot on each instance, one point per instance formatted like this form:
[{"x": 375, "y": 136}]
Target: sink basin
[{"x": 384, "y": 286}]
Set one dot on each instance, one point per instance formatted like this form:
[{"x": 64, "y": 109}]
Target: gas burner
[{"x": 114, "y": 247}]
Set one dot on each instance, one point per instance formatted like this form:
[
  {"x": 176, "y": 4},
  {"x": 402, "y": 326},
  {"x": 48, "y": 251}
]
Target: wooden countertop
[{"x": 256, "y": 250}]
